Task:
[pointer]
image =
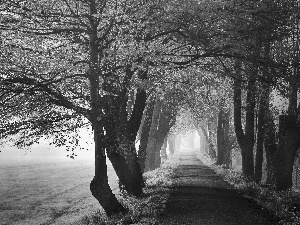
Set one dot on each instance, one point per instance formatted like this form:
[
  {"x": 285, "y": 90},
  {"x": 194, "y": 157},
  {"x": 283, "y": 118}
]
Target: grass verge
[
  {"x": 147, "y": 209},
  {"x": 284, "y": 204}
]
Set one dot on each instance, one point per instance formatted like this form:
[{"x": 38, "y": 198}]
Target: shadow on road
[{"x": 200, "y": 196}]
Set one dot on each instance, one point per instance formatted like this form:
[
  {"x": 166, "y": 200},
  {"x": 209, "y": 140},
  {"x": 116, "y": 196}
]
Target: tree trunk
[
  {"x": 223, "y": 145},
  {"x": 126, "y": 166},
  {"x": 289, "y": 128},
  {"x": 145, "y": 130},
  {"x": 263, "y": 110},
  {"x": 160, "y": 128},
  {"x": 245, "y": 141},
  {"x": 121, "y": 134},
  {"x": 288, "y": 144},
  {"x": 204, "y": 143},
  {"x": 270, "y": 148},
  {"x": 99, "y": 185},
  {"x": 211, "y": 137},
  {"x": 261, "y": 123},
  {"x": 151, "y": 145},
  {"x": 164, "y": 155}
]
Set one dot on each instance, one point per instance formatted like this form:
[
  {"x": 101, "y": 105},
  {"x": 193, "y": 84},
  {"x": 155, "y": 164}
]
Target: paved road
[{"x": 202, "y": 197}]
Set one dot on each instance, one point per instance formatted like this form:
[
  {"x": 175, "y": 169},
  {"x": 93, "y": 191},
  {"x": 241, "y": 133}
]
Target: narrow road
[{"x": 202, "y": 197}]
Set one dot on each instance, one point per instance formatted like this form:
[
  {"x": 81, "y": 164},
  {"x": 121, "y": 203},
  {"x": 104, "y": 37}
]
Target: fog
[{"x": 41, "y": 153}]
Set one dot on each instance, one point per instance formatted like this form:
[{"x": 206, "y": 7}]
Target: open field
[{"x": 50, "y": 192}]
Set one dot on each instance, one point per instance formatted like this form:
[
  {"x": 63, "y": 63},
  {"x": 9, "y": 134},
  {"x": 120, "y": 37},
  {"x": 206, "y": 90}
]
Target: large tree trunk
[
  {"x": 263, "y": 110},
  {"x": 152, "y": 139},
  {"x": 145, "y": 130},
  {"x": 288, "y": 144},
  {"x": 261, "y": 123},
  {"x": 289, "y": 129},
  {"x": 99, "y": 185},
  {"x": 126, "y": 166},
  {"x": 121, "y": 134},
  {"x": 223, "y": 144},
  {"x": 270, "y": 148},
  {"x": 245, "y": 141},
  {"x": 166, "y": 121},
  {"x": 163, "y": 120}
]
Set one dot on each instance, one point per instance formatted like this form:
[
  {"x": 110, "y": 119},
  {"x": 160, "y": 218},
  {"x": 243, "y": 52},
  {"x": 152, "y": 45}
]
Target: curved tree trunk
[
  {"x": 120, "y": 136},
  {"x": 126, "y": 167},
  {"x": 99, "y": 185}
]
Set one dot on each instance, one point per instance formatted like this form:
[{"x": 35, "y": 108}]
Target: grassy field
[{"x": 49, "y": 192}]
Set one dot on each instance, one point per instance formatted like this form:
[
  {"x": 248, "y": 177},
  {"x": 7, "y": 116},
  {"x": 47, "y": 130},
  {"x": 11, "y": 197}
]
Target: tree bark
[
  {"x": 223, "y": 143},
  {"x": 211, "y": 137},
  {"x": 261, "y": 123},
  {"x": 288, "y": 144},
  {"x": 151, "y": 145},
  {"x": 245, "y": 141},
  {"x": 99, "y": 185},
  {"x": 204, "y": 142},
  {"x": 121, "y": 135},
  {"x": 270, "y": 148},
  {"x": 160, "y": 127},
  {"x": 145, "y": 130}
]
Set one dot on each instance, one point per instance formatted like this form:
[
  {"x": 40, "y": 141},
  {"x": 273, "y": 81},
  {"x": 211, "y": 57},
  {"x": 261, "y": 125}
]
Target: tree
[
  {"x": 145, "y": 130},
  {"x": 223, "y": 141},
  {"x": 164, "y": 117},
  {"x": 80, "y": 60}
]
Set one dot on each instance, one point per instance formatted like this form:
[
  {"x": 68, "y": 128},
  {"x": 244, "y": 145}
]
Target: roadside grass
[
  {"x": 284, "y": 204},
  {"x": 147, "y": 209}
]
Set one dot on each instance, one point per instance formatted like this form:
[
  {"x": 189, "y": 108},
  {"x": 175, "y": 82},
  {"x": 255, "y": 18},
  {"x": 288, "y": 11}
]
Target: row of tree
[{"x": 129, "y": 68}]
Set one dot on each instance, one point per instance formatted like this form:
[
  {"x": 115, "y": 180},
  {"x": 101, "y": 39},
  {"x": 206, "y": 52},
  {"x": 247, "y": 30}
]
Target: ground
[
  {"x": 200, "y": 196},
  {"x": 48, "y": 193}
]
